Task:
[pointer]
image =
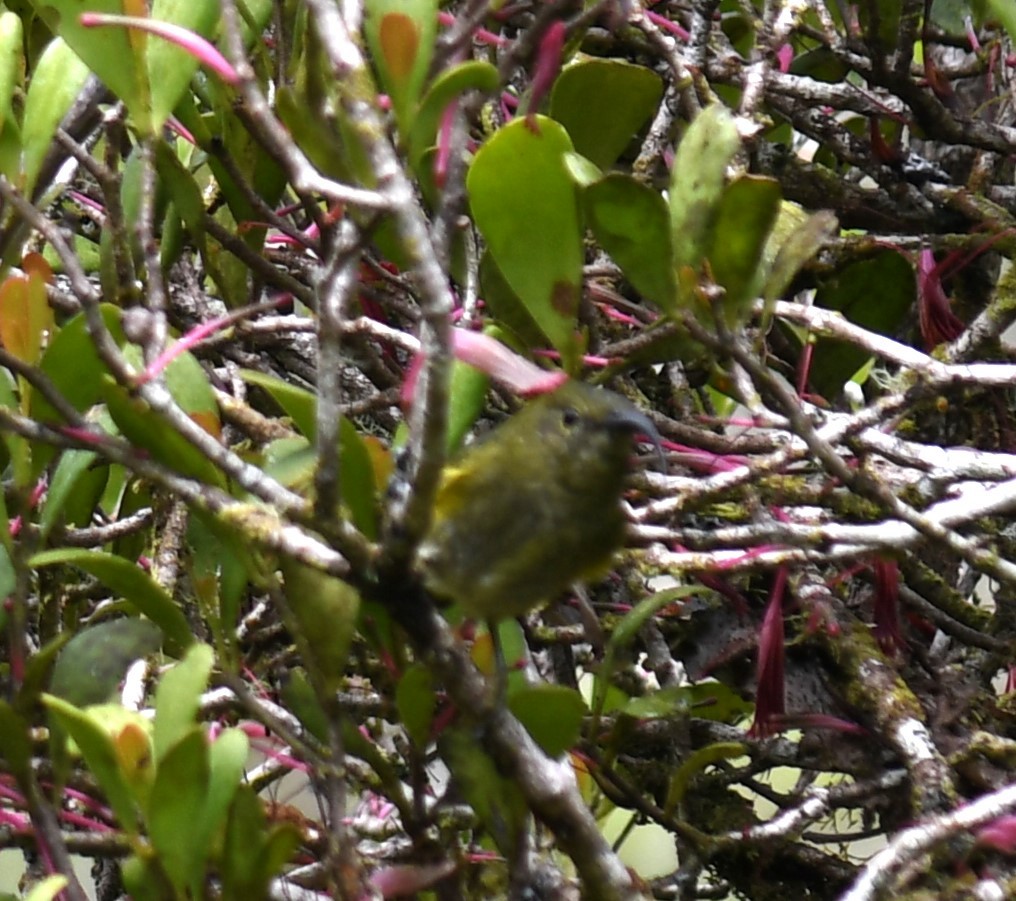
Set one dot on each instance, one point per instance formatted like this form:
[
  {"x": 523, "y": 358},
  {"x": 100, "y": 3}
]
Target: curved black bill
[{"x": 632, "y": 419}]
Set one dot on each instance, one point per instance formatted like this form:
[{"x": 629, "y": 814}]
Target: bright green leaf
[
  {"x": 604, "y": 103},
  {"x": 631, "y": 223},
  {"x": 177, "y": 697},
  {"x": 355, "y": 465},
  {"x": 524, "y": 202},
  {"x": 74, "y": 490},
  {"x": 171, "y": 68},
  {"x": 175, "y": 807},
  {"x": 97, "y": 749},
  {"x": 12, "y": 64},
  {"x": 298, "y": 403},
  {"x": 552, "y": 715},
  {"x": 696, "y": 182},
  {"x": 147, "y": 430},
  {"x": 472, "y": 75},
  {"x": 227, "y": 757},
  {"x": 55, "y": 84}
]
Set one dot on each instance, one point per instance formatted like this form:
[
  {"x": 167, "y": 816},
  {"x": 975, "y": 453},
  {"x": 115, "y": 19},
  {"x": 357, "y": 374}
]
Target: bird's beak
[{"x": 631, "y": 419}]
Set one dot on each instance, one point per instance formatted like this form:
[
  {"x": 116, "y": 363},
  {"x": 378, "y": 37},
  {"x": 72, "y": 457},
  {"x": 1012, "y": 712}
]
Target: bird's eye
[{"x": 570, "y": 417}]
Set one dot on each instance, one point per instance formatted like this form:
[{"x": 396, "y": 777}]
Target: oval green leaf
[
  {"x": 55, "y": 85},
  {"x": 94, "y": 661},
  {"x": 552, "y": 715},
  {"x": 631, "y": 223},
  {"x": 604, "y": 103},
  {"x": 696, "y": 182},
  {"x": 524, "y": 203}
]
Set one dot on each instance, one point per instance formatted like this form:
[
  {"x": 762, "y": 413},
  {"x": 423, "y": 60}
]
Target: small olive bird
[{"x": 535, "y": 505}]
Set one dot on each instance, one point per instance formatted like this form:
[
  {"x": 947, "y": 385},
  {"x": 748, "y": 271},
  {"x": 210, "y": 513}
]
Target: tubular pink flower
[{"x": 201, "y": 49}]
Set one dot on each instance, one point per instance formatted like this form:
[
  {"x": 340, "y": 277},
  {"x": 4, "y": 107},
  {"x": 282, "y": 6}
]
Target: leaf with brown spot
[{"x": 400, "y": 42}]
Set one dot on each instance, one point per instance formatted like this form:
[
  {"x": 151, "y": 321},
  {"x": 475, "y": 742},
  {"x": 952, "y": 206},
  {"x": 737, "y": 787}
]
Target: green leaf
[
  {"x": 795, "y": 238},
  {"x": 631, "y": 223},
  {"x": 15, "y": 744},
  {"x": 55, "y": 84},
  {"x": 552, "y": 715},
  {"x": 604, "y": 103},
  {"x": 12, "y": 64},
  {"x": 299, "y": 697},
  {"x": 356, "y": 468},
  {"x": 241, "y": 871},
  {"x": 1006, "y": 14},
  {"x": 132, "y": 583},
  {"x": 227, "y": 757},
  {"x": 416, "y": 702},
  {"x": 39, "y": 671},
  {"x": 252, "y": 854},
  {"x": 183, "y": 188},
  {"x": 400, "y": 35},
  {"x": 743, "y": 218},
  {"x": 187, "y": 381},
  {"x": 359, "y": 492},
  {"x": 709, "y": 700},
  {"x": 582, "y": 171},
  {"x": 506, "y": 308},
  {"x": 97, "y": 749},
  {"x": 147, "y": 430},
  {"x": 298, "y": 404},
  {"x": 822, "y": 64},
  {"x": 472, "y": 75},
  {"x": 177, "y": 698},
  {"x": 881, "y": 19},
  {"x": 72, "y": 364},
  {"x": 466, "y": 398},
  {"x": 524, "y": 202},
  {"x": 171, "y": 68},
  {"x": 175, "y": 809},
  {"x": 625, "y": 633},
  {"x": 148, "y": 73},
  {"x": 110, "y": 53},
  {"x": 144, "y": 879},
  {"x": 325, "y": 611},
  {"x": 696, "y": 182},
  {"x": 221, "y": 562},
  {"x": 94, "y": 661},
  {"x": 291, "y": 462},
  {"x": 497, "y": 802},
  {"x": 876, "y": 294},
  {"x": 74, "y": 490}
]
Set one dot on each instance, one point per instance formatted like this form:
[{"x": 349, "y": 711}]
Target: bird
[{"x": 535, "y": 505}]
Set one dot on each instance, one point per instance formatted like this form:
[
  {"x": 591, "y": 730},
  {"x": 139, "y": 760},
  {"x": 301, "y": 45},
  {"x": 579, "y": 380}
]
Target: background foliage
[{"x": 262, "y": 265}]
